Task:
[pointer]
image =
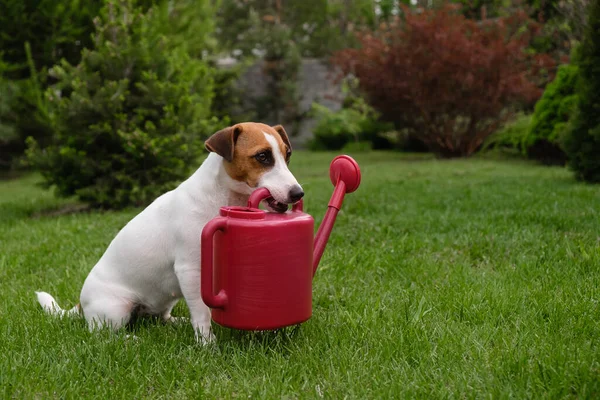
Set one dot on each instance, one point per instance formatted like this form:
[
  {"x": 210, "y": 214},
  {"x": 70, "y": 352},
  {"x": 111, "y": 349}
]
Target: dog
[{"x": 154, "y": 261}]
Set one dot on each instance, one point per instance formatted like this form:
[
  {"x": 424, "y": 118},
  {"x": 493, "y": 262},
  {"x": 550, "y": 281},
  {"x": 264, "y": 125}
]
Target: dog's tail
[{"x": 51, "y": 306}]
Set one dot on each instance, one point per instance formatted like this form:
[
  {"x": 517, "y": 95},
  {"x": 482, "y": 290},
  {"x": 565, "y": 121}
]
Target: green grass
[{"x": 470, "y": 279}]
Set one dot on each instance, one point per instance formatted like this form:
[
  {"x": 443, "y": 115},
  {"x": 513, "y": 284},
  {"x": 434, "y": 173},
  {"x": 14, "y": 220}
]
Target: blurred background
[{"x": 111, "y": 100}]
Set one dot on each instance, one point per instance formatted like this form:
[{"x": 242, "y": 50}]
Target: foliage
[
  {"x": 227, "y": 98},
  {"x": 573, "y": 19},
  {"x": 334, "y": 129},
  {"x": 563, "y": 20},
  {"x": 252, "y": 28},
  {"x": 8, "y": 91},
  {"x": 25, "y": 112},
  {"x": 511, "y": 135},
  {"x": 7, "y": 128},
  {"x": 450, "y": 80},
  {"x": 563, "y": 25},
  {"x": 482, "y": 9},
  {"x": 34, "y": 35},
  {"x": 281, "y": 32},
  {"x": 55, "y": 29},
  {"x": 281, "y": 65},
  {"x": 130, "y": 117},
  {"x": 316, "y": 27},
  {"x": 551, "y": 117},
  {"x": 357, "y": 122},
  {"x": 582, "y": 141}
]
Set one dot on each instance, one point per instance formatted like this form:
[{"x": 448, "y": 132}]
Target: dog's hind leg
[
  {"x": 167, "y": 317},
  {"x": 113, "y": 313}
]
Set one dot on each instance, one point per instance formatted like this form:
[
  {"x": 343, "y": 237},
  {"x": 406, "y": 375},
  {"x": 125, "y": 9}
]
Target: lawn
[{"x": 466, "y": 278}]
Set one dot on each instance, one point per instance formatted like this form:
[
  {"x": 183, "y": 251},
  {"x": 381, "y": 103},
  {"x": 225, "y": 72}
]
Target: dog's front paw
[{"x": 204, "y": 335}]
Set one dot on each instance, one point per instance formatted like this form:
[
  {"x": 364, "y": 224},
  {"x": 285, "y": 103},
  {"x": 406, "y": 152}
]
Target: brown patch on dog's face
[
  {"x": 247, "y": 152},
  {"x": 287, "y": 149}
]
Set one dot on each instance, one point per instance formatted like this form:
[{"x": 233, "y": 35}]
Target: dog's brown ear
[
  {"x": 284, "y": 136},
  {"x": 223, "y": 142}
]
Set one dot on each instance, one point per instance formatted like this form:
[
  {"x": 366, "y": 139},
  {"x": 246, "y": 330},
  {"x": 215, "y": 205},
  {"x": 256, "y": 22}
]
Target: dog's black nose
[{"x": 296, "y": 193}]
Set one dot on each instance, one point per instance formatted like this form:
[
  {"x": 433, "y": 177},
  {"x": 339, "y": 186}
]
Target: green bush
[
  {"x": 582, "y": 140},
  {"x": 551, "y": 117},
  {"x": 130, "y": 118},
  {"x": 34, "y": 35},
  {"x": 357, "y": 122},
  {"x": 334, "y": 129},
  {"x": 27, "y": 112},
  {"x": 55, "y": 29},
  {"x": 227, "y": 102},
  {"x": 8, "y": 92},
  {"x": 23, "y": 113},
  {"x": 511, "y": 136}
]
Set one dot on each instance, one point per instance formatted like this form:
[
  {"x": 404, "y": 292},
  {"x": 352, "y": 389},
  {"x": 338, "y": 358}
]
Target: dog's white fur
[{"x": 155, "y": 259}]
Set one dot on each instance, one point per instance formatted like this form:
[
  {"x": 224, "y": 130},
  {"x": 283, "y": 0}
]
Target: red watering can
[{"x": 257, "y": 267}]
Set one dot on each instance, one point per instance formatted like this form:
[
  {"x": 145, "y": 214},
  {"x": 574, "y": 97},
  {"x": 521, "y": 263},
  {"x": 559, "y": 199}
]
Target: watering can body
[
  {"x": 261, "y": 266},
  {"x": 257, "y": 267}
]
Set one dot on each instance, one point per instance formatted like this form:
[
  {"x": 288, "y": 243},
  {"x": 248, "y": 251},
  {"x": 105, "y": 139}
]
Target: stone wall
[{"x": 316, "y": 83}]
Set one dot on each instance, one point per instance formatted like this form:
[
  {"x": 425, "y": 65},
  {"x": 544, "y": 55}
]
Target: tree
[
  {"x": 582, "y": 141},
  {"x": 317, "y": 27},
  {"x": 280, "y": 33},
  {"x": 130, "y": 118},
  {"x": 54, "y": 29},
  {"x": 573, "y": 12},
  {"x": 551, "y": 117},
  {"x": 450, "y": 80},
  {"x": 34, "y": 35}
]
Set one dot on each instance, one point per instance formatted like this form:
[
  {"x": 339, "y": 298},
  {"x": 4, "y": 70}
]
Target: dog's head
[{"x": 257, "y": 155}]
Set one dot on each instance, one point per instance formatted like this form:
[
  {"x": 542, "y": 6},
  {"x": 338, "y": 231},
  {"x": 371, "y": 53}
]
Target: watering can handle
[
  {"x": 263, "y": 193},
  {"x": 206, "y": 264}
]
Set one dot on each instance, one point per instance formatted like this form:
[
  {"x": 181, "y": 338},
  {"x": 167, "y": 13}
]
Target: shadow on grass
[
  {"x": 226, "y": 338},
  {"x": 279, "y": 339}
]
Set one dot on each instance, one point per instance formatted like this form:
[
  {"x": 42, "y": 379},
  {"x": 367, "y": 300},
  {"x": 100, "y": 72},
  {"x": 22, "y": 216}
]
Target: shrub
[
  {"x": 450, "y": 80},
  {"x": 129, "y": 119},
  {"x": 54, "y": 29},
  {"x": 551, "y": 116},
  {"x": 582, "y": 140},
  {"x": 512, "y": 135},
  {"x": 27, "y": 113},
  {"x": 34, "y": 35},
  {"x": 227, "y": 96},
  {"x": 370, "y": 126},
  {"x": 24, "y": 111},
  {"x": 356, "y": 122},
  {"x": 8, "y": 92},
  {"x": 334, "y": 129}
]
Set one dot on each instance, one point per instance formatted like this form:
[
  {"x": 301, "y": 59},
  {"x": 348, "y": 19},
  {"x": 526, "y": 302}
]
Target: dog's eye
[
  {"x": 264, "y": 157},
  {"x": 287, "y": 156}
]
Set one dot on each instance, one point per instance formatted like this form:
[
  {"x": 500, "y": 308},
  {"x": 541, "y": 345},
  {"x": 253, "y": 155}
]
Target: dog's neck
[{"x": 212, "y": 183}]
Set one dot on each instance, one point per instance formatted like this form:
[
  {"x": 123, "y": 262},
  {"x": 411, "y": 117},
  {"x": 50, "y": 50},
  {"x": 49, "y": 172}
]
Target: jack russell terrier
[{"x": 155, "y": 259}]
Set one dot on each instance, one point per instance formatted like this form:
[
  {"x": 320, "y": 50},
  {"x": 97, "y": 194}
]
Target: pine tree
[
  {"x": 129, "y": 119},
  {"x": 582, "y": 142}
]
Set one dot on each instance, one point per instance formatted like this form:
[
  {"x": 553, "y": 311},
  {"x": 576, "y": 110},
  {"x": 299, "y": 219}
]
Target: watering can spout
[{"x": 345, "y": 176}]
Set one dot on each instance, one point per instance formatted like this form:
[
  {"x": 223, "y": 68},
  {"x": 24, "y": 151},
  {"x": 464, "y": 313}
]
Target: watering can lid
[{"x": 242, "y": 212}]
